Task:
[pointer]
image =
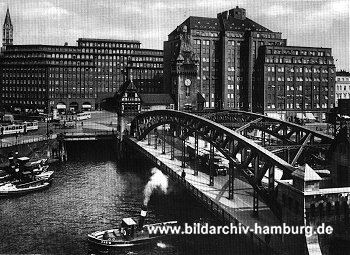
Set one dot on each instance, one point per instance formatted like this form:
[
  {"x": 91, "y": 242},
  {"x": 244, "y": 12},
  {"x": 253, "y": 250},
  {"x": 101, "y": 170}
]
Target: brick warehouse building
[
  {"x": 294, "y": 82},
  {"x": 41, "y": 77},
  {"x": 216, "y": 58}
]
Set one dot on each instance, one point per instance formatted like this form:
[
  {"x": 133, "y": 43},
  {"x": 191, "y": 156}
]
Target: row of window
[
  {"x": 24, "y": 102},
  {"x": 342, "y": 95},
  {"x": 205, "y": 33},
  {"x": 298, "y": 60},
  {"x": 298, "y": 78},
  {"x": 343, "y": 79},
  {"x": 297, "y": 69},
  {"x": 233, "y": 87},
  {"x": 296, "y": 106},
  {"x": 340, "y": 87},
  {"x": 109, "y": 44},
  {"x": 313, "y": 53},
  {"x": 268, "y": 35}
]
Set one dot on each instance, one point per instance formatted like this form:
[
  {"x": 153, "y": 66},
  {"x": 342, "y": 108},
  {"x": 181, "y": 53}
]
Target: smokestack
[
  {"x": 143, "y": 214},
  {"x": 11, "y": 160}
]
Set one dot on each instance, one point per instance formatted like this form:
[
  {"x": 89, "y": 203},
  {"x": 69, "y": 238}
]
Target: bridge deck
[{"x": 240, "y": 208}]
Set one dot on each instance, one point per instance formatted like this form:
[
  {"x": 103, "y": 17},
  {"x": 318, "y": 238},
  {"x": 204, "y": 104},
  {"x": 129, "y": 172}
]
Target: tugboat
[{"x": 129, "y": 234}]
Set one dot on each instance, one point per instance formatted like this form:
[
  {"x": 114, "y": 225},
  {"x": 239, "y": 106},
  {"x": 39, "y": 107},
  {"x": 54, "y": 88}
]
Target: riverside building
[
  {"x": 219, "y": 63},
  {"x": 47, "y": 77}
]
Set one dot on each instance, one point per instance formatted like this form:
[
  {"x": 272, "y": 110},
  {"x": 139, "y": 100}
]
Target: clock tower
[
  {"x": 7, "y": 30},
  {"x": 185, "y": 88}
]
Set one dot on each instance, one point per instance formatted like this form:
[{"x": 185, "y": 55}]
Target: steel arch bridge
[
  {"x": 287, "y": 135},
  {"x": 250, "y": 159}
]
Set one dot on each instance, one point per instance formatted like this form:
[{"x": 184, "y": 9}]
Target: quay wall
[
  {"x": 35, "y": 147},
  {"x": 130, "y": 148}
]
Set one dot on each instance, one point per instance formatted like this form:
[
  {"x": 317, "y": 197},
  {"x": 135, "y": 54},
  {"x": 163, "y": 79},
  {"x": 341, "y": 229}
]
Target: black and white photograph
[{"x": 175, "y": 127}]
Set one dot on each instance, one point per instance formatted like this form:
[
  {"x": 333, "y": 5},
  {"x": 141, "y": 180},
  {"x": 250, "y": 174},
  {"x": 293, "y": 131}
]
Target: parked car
[{"x": 218, "y": 167}]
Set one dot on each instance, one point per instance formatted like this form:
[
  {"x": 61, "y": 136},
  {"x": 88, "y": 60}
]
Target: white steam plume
[{"x": 157, "y": 181}]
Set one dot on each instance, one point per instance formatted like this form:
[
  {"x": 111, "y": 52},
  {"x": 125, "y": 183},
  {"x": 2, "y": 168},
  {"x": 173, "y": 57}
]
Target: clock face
[{"x": 187, "y": 82}]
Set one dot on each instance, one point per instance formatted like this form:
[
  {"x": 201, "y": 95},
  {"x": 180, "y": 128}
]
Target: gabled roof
[
  {"x": 306, "y": 173},
  {"x": 156, "y": 99},
  {"x": 213, "y": 24},
  {"x": 126, "y": 86}
]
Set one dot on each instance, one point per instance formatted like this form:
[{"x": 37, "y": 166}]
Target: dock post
[
  {"x": 231, "y": 184},
  {"x": 196, "y": 166},
  {"x": 211, "y": 166},
  {"x": 163, "y": 142}
]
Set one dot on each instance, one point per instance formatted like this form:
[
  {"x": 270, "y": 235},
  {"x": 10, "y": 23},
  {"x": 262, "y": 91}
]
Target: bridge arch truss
[{"x": 252, "y": 160}]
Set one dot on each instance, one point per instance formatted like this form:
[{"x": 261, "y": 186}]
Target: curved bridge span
[
  {"x": 250, "y": 159},
  {"x": 286, "y": 131}
]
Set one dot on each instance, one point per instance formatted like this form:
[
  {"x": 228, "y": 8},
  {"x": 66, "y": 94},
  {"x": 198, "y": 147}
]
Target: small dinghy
[{"x": 12, "y": 189}]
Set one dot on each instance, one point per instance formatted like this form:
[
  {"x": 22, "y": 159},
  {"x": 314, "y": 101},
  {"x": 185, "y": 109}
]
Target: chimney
[
  {"x": 143, "y": 214},
  {"x": 11, "y": 160}
]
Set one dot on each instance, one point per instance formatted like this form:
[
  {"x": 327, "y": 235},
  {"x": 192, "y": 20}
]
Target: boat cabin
[
  {"x": 23, "y": 160},
  {"x": 127, "y": 227}
]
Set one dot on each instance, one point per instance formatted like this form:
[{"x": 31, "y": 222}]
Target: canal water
[{"x": 92, "y": 191}]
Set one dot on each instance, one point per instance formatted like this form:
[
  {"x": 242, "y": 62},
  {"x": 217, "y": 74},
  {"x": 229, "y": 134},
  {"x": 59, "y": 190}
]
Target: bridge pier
[
  {"x": 271, "y": 180},
  {"x": 163, "y": 141},
  {"x": 211, "y": 165},
  {"x": 263, "y": 139},
  {"x": 196, "y": 158},
  {"x": 172, "y": 145},
  {"x": 155, "y": 138},
  {"x": 183, "y": 147},
  {"x": 255, "y": 204},
  {"x": 231, "y": 183},
  {"x": 255, "y": 194},
  {"x": 149, "y": 138}
]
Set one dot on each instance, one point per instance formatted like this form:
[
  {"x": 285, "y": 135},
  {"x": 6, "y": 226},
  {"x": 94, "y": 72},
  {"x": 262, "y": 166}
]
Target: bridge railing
[
  {"x": 89, "y": 134},
  {"x": 266, "y": 120},
  {"x": 213, "y": 206},
  {"x": 20, "y": 141}
]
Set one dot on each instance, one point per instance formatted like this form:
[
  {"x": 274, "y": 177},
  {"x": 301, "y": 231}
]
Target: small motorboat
[
  {"x": 4, "y": 176},
  {"x": 129, "y": 234},
  {"x": 12, "y": 189}
]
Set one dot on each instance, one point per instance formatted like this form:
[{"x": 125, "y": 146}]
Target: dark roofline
[
  {"x": 142, "y": 49},
  {"x": 42, "y": 45},
  {"x": 107, "y": 40},
  {"x": 342, "y": 73}
]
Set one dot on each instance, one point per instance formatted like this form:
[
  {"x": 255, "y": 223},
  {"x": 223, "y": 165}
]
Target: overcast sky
[{"x": 319, "y": 23}]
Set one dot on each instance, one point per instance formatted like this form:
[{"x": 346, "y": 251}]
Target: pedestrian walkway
[{"x": 240, "y": 207}]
